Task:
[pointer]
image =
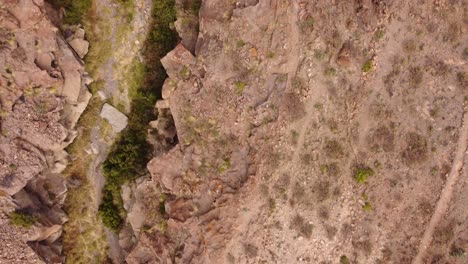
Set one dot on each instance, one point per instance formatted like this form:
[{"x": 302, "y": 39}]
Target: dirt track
[{"x": 447, "y": 191}]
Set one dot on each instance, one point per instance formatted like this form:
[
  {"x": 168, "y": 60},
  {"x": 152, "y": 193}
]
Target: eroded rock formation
[{"x": 43, "y": 91}]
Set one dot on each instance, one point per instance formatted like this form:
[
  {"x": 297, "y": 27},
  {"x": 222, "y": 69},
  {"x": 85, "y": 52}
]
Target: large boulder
[
  {"x": 117, "y": 120},
  {"x": 80, "y": 46}
]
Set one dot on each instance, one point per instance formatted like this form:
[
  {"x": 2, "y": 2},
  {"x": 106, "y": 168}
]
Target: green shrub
[
  {"x": 379, "y": 34},
  {"x": 240, "y": 87},
  {"x": 344, "y": 260},
  {"x": 75, "y": 10},
  {"x": 196, "y": 5},
  {"x": 109, "y": 212},
  {"x": 367, "y": 207},
  {"x": 367, "y": 66},
  {"x": 361, "y": 174},
  {"x": 330, "y": 72},
  {"x": 23, "y": 219}
]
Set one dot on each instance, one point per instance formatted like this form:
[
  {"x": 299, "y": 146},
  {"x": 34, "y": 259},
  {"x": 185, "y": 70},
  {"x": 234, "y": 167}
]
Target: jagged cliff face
[
  {"x": 42, "y": 94},
  {"x": 312, "y": 132}
]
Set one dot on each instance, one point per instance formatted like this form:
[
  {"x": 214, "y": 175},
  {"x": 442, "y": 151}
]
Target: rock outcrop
[{"x": 43, "y": 92}]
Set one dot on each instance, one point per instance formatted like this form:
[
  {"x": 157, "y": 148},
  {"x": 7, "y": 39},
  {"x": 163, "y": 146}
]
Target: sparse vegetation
[
  {"x": 331, "y": 169},
  {"x": 415, "y": 77},
  {"x": 333, "y": 149},
  {"x": 307, "y": 24},
  {"x": 456, "y": 251},
  {"x": 416, "y": 149},
  {"x": 250, "y": 250},
  {"x": 302, "y": 227},
  {"x": 22, "y": 219},
  {"x": 362, "y": 173},
  {"x": 409, "y": 46},
  {"x": 294, "y": 137},
  {"x": 319, "y": 54}
]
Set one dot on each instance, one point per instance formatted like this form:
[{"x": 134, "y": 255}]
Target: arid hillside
[{"x": 284, "y": 131}]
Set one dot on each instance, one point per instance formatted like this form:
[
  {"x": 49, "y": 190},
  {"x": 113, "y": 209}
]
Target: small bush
[
  {"x": 240, "y": 43},
  {"x": 379, "y": 34},
  {"x": 240, "y": 86},
  {"x": 367, "y": 207},
  {"x": 367, "y": 66},
  {"x": 23, "y": 219},
  {"x": 362, "y": 173},
  {"x": 330, "y": 72},
  {"x": 270, "y": 55},
  {"x": 109, "y": 212},
  {"x": 344, "y": 260}
]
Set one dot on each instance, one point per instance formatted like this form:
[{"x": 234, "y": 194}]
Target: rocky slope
[
  {"x": 317, "y": 132},
  {"x": 287, "y": 132},
  {"x": 43, "y": 92}
]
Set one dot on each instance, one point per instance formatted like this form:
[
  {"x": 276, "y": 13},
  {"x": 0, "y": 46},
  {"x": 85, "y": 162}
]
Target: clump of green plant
[
  {"x": 330, "y": 72},
  {"x": 225, "y": 165},
  {"x": 12, "y": 166},
  {"x": 331, "y": 169},
  {"x": 319, "y": 54},
  {"x": 307, "y": 24},
  {"x": 379, "y": 34},
  {"x": 240, "y": 87},
  {"x": 362, "y": 173},
  {"x": 196, "y": 5},
  {"x": 271, "y": 206},
  {"x": 367, "y": 66},
  {"x": 294, "y": 137},
  {"x": 367, "y": 206},
  {"x": 270, "y": 54},
  {"x": 344, "y": 260},
  {"x": 75, "y": 11},
  {"x": 185, "y": 73},
  {"x": 22, "y": 219},
  {"x": 240, "y": 43},
  {"x": 109, "y": 212}
]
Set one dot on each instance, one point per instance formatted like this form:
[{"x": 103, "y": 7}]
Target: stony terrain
[
  {"x": 315, "y": 132},
  {"x": 299, "y": 132},
  {"x": 43, "y": 91}
]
